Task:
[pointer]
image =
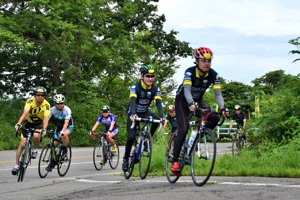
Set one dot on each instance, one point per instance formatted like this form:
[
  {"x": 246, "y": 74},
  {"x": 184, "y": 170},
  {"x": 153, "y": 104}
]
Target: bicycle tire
[
  {"x": 44, "y": 160},
  {"x": 202, "y": 165},
  {"x": 235, "y": 147},
  {"x": 131, "y": 161},
  {"x": 114, "y": 158},
  {"x": 25, "y": 159},
  {"x": 98, "y": 155},
  {"x": 63, "y": 165},
  {"x": 145, "y": 156},
  {"x": 169, "y": 160}
]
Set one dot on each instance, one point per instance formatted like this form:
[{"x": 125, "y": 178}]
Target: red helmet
[{"x": 203, "y": 53}]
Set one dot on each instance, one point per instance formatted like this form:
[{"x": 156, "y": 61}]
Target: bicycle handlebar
[
  {"x": 206, "y": 110},
  {"x": 147, "y": 120}
]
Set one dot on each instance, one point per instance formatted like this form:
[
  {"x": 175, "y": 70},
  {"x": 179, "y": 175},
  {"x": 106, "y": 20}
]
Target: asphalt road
[{"x": 84, "y": 182}]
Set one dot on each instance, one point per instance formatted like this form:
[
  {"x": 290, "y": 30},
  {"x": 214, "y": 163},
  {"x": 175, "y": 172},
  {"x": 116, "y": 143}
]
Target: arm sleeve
[
  {"x": 159, "y": 108},
  {"x": 132, "y": 106},
  {"x": 219, "y": 98},
  {"x": 187, "y": 93}
]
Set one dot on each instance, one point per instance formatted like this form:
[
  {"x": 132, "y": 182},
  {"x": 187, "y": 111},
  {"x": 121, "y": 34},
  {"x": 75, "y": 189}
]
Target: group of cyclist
[
  {"x": 37, "y": 114},
  {"x": 189, "y": 96}
]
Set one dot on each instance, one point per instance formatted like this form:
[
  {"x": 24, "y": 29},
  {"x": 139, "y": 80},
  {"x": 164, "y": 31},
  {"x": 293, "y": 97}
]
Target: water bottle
[
  {"x": 57, "y": 150},
  {"x": 192, "y": 138}
]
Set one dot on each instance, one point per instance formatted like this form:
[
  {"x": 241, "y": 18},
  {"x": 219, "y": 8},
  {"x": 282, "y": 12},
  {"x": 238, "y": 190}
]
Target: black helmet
[
  {"x": 39, "y": 89},
  {"x": 105, "y": 108},
  {"x": 147, "y": 69}
]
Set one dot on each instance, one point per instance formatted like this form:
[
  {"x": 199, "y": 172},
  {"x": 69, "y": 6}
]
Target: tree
[
  {"x": 295, "y": 42},
  {"x": 68, "y": 45}
]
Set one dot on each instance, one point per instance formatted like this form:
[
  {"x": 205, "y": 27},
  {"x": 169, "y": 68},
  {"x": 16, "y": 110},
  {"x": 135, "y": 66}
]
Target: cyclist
[
  {"x": 111, "y": 127},
  {"x": 35, "y": 115},
  {"x": 171, "y": 118},
  {"x": 240, "y": 118},
  {"x": 62, "y": 116},
  {"x": 142, "y": 94},
  {"x": 189, "y": 96}
]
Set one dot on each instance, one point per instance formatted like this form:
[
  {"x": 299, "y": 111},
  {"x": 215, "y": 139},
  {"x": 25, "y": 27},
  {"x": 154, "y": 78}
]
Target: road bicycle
[
  {"x": 25, "y": 158},
  {"x": 141, "y": 151},
  {"x": 51, "y": 156},
  {"x": 238, "y": 142},
  {"x": 200, "y": 156},
  {"x": 102, "y": 153}
]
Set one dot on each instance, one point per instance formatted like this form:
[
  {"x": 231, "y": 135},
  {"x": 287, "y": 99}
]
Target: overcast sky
[{"x": 249, "y": 38}]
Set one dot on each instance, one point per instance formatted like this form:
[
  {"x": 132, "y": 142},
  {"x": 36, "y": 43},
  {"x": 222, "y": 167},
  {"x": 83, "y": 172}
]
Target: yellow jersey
[{"x": 37, "y": 113}]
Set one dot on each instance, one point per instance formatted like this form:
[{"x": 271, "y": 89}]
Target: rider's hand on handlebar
[
  {"x": 193, "y": 106},
  {"x": 133, "y": 117},
  {"x": 18, "y": 126},
  {"x": 92, "y": 134}
]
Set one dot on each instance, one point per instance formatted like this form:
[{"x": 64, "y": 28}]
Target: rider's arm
[
  {"x": 95, "y": 126},
  {"x": 159, "y": 107},
  {"x": 23, "y": 116},
  {"x": 46, "y": 121},
  {"x": 111, "y": 128},
  {"x": 132, "y": 105},
  {"x": 187, "y": 93},
  {"x": 66, "y": 124},
  {"x": 219, "y": 97}
]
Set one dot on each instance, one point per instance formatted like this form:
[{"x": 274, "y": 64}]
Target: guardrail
[{"x": 223, "y": 130}]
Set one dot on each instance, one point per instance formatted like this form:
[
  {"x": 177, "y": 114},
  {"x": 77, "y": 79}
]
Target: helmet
[
  {"x": 204, "y": 53},
  {"x": 105, "y": 108},
  {"x": 59, "y": 98},
  {"x": 171, "y": 108},
  {"x": 237, "y": 107},
  {"x": 39, "y": 89},
  {"x": 147, "y": 69}
]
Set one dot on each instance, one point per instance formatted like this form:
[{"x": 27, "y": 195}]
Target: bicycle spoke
[
  {"x": 131, "y": 161},
  {"x": 98, "y": 157},
  {"x": 44, "y": 161},
  {"x": 168, "y": 162},
  {"x": 203, "y": 157},
  {"x": 114, "y": 158},
  {"x": 145, "y": 156},
  {"x": 63, "y": 165}
]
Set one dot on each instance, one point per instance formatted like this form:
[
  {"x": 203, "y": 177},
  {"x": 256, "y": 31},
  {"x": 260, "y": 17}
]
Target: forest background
[{"x": 91, "y": 51}]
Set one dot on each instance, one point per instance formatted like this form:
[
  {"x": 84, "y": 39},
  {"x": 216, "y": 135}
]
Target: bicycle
[
  {"x": 102, "y": 151},
  {"x": 238, "y": 142},
  {"x": 198, "y": 156},
  {"x": 142, "y": 148},
  {"x": 51, "y": 156},
  {"x": 25, "y": 158}
]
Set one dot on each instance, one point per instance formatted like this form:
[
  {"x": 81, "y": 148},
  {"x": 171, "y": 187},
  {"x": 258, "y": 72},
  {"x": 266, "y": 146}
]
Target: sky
[{"x": 249, "y": 38}]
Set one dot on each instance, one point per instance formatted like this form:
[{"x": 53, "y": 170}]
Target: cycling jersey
[
  {"x": 239, "y": 119},
  {"x": 144, "y": 95},
  {"x": 60, "y": 116},
  {"x": 172, "y": 121},
  {"x": 198, "y": 83},
  {"x": 107, "y": 121},
  {"x": 36, "y": 113}
]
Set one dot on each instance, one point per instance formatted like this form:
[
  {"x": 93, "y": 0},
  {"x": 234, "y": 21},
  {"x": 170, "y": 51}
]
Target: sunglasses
[
  {"x": 205, "y": 60},
  {"x": 39, "y": 95},
  {"x": 59, "y": 103},
  {"x": 104, "y": 111},
  {"x": 149, "y": 76}
]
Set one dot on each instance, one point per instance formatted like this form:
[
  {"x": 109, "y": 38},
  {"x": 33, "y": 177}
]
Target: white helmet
[{"x": 59, "y": 98}]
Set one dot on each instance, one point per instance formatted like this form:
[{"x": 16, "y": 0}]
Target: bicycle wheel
[
  {"x": 63, "y": 165},
  {"x": 98, "y": 156},
  {"x": 44, "y": 161},
  {"x": 114, "y": 158},
  {"x": 131, "y": 161},
  {"x": 203, "y": 157},
  {"x": 169, "y": 159},
  {"x": 235, "y": 147},
  {"x": 145, "y": 155},
  {"x": 25, "y": 160}
]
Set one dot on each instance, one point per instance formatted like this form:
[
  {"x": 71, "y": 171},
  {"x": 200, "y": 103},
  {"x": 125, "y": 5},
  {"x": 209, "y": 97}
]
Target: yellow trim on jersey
[
  {"x": 146, "y": 87},
  {"x": 187, "y": 82},
  {"x": 133, "y": 95},
  {"x": 157, "y": 97},
  {"x": 218, "y": 86},
  {"x": 198, "y": 73}
]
